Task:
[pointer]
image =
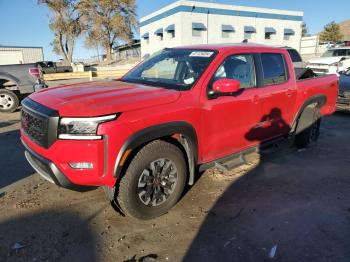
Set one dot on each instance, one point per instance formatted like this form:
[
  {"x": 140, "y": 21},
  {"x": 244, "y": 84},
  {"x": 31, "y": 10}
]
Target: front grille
[
  {"x": 39, "y": 123},
  {"x": 34, "y": 126}
]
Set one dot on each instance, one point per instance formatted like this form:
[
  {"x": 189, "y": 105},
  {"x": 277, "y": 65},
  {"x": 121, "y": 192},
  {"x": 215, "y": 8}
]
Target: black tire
[
  {"x": 129, "y": 198},
  {"x": 9, "y": 101},
  {"x": 312, "y": 133}
]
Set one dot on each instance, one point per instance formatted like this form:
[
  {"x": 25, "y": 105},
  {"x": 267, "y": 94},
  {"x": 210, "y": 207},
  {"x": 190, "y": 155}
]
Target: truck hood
[
  {"x": 326, "y": 60},
  {"x": 103, "y": 98}
]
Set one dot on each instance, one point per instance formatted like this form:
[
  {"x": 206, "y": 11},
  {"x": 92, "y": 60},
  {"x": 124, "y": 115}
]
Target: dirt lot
[{"x": 296, "y": 203}]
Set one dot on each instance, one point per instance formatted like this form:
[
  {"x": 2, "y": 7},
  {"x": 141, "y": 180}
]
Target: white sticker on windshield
[{"x": 201, "y": 54}]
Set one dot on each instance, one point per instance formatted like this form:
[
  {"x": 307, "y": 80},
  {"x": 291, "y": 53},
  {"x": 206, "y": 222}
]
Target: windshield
[{"x": 172, "y": 68}]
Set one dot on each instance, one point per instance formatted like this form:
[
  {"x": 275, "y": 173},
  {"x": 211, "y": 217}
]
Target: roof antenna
[{"x": 245, "y": 41}]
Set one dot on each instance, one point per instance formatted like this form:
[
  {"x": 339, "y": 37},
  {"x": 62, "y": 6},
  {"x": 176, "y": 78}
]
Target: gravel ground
[{"x": 288, "y": 206}]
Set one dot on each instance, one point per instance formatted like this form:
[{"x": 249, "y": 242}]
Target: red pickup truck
[{"x": 146, "y": 135}]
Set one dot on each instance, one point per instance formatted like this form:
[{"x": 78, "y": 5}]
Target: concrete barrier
[
  {"x": 110, "y": 73},
  {"x": 70, "y": 75},
  {"x": 89, "y": 74}
]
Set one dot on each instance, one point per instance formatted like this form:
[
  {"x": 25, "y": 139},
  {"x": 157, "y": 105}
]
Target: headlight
[{"x": 82, "y": 128}]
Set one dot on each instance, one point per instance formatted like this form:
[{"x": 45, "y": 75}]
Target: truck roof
[{"x": 222, "y": 47}]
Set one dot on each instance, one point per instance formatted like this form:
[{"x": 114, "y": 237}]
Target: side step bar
[{"x": 232, "y": 161}]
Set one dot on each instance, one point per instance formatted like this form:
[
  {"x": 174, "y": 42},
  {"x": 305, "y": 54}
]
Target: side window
[
  {"x": 340, "y": 52},
  {"x": 238, "y": 67},
  {"x": 294, "y": 55},
  {"x": 164, "y": 69},
  {"x": 273, "y": 68}
]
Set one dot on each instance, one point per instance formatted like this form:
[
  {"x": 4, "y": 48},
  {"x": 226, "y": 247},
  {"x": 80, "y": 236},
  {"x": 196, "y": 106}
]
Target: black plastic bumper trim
[{"x": 50, "y": 171}]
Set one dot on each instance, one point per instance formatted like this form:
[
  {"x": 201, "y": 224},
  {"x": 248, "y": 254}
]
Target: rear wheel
[
  {"x": 311, "y": 133},
  {"x": 153, "y": 182},
  {"x": 8, "y": 101}
]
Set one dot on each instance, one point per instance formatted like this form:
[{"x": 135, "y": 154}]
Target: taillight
[{"x": 35, "y": 72}]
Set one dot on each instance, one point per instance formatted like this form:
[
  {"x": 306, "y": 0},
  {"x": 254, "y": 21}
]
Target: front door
[{"x": 228, "y": 120}]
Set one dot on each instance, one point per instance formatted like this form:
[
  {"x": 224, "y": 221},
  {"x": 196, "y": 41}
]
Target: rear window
[
  {"x": 294, "y": 55},
  {"x": 273, "y": 68}
]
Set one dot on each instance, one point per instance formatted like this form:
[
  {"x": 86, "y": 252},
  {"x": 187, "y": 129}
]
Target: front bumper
[{"x": 50, "y": 172}]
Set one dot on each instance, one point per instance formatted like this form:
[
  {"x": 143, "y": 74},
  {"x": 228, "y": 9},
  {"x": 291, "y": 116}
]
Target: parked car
[
  {"x": 16, "y": 82},
  {"x": 343, "y": 102},
  {"x": 49, "y": 67},
  {"x": 332, "y": 61},
  {"x": 186, "y": 109}
]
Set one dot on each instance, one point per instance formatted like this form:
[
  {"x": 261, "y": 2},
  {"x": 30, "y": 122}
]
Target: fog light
[{"x": 82, "y": 165}]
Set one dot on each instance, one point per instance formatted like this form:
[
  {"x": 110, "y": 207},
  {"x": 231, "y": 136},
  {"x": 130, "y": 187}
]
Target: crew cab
[
  {"x": 333, "y": 61},
  {"x": 178, "y": 113}
]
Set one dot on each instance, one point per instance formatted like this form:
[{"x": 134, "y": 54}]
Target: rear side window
[
  {"x": 273, "y": 68},
  {"x": 294, "y": 55}
]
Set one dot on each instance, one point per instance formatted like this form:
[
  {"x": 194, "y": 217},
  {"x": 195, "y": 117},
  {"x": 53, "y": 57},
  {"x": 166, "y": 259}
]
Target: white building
[
  {"x": 20, "y": 55},
  {"x": 190, "y": 22}
]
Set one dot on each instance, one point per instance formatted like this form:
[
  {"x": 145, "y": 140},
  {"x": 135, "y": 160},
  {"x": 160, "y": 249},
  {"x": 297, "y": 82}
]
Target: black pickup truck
[{"x": 17, "y": 82}]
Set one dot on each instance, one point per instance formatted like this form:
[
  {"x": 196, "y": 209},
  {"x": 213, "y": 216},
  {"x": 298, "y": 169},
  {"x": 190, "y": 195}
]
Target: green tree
[
  {"x": 66, "y": 26},
  {"x": 107, "y": 22},
  {"x": 331, "y": 32}
]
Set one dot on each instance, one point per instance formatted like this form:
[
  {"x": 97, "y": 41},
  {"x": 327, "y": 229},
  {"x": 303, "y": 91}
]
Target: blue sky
[{"x": 24, "y": 23}]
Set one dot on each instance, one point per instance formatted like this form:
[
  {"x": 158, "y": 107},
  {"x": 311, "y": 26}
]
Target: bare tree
[
  {"x": 66, "y": 25},
  {"x": 108, "y": 21}
]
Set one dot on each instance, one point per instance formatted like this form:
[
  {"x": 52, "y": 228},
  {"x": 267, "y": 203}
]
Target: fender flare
[
  {"x": 185, "y": 135},
  {"x": 307, "y": 115},
  {"x": 12, "y": 78}
]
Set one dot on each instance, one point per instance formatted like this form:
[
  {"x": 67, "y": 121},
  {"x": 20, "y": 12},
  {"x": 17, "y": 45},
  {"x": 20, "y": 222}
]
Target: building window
[
  {"x": 227, "y": 31},
  {"x": 159, "y": 34},
  {"x": 226, "y": 34},
  {"x": 269, "y": 32},
  {"x": 171, "y": 30},
  {"x": 288, "y": 33},
  {"x": 196, "y": 33},
  {"x": 247, "y": 35},
  {"x": 268, "y": 36},
  {"x": 249, "y": 31},
  {"x": 145, "y": 37},
  {"x": 197, "y": 29}
]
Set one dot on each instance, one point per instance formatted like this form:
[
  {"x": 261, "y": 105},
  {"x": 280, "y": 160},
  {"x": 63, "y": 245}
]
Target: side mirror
[
  {"x": 226, "y": 86},
  {"x": 341, "y": 72}
]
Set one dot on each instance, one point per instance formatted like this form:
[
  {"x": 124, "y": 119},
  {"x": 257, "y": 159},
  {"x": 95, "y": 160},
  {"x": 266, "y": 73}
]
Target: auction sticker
[{"x": 201, "y": 54}]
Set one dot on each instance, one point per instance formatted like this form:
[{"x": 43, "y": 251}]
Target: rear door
[{"x": 278, "y": 96}]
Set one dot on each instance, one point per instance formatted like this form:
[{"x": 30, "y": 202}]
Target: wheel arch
[
  {"x": 306, "y": 115},
  {"x": 7, "y": 77},
  {"x": 180, "y": 132}
]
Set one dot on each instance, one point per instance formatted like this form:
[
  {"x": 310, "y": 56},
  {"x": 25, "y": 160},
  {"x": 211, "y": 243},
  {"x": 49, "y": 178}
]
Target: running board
[{"x": 245, "y": 157}]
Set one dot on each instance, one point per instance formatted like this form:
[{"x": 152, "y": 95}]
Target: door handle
[{"x": 255, "y": 99}]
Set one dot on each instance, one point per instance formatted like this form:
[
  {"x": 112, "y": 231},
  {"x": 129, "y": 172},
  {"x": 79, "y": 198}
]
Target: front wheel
[
  {"x": 8, "y": 101},
  {"x": 153, "y": 182}
]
